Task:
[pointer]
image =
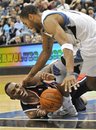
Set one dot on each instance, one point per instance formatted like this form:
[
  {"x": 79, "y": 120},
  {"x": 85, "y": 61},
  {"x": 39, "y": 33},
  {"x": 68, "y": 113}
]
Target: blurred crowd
[{"x": 13, "y": 31}]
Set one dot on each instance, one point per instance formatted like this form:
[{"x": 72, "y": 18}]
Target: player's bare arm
[
  {"x": 47, "y": 76},
  {"x": 44, "y": 56},
  {"x": 46, "y": 73},
  {"x": 60, "y": 35},
  {"x": 36, "y": 113}
]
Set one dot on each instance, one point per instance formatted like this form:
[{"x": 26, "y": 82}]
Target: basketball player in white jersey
[{"x": 68, "y": 28}]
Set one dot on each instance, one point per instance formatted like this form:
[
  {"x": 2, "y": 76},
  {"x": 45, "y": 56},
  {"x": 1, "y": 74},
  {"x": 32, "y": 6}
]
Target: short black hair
[
  {"x": 6, "y": 86},
  {"x": 29, "y": 9}
]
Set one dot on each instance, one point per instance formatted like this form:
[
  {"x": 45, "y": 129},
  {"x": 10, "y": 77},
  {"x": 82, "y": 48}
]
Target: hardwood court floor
[{"x": 6, "y": 103}]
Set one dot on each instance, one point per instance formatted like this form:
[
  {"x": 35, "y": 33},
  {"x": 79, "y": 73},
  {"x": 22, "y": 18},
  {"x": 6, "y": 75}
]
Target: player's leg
[
  {"x": 89, "y": 68},
  {"x": 67, "y": 108},
  {"x": 91, "y": 83},
  {"x": 79, "y": 103},
  {"x": 67, "y": 105}
]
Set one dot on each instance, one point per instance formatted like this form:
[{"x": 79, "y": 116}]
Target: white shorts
[
  {"x": 89, "y": 67},
  {"x": 88, "y": 53}
]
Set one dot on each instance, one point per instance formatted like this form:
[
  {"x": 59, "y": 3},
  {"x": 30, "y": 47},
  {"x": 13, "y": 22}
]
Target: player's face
[
  {"x": 28, "y": 23},
  {"x": 16, "y": 91},
  {"x": 32, "y": 23}
]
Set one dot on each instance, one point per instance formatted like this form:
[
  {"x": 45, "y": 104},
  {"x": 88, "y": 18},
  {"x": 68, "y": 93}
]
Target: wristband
[
  {"x": 67, "y": 46},
  {"x": 69, "y": 73}
]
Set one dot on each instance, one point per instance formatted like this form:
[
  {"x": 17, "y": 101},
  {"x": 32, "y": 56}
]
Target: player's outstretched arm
[
  {"x": 36, "y": 80},
  {"x": 43, "y": 58}
]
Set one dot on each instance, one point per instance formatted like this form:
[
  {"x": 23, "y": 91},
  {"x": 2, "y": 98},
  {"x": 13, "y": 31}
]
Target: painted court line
[
  {"x": 46, "y": 120},
  {"x": 33, "y": 128}
]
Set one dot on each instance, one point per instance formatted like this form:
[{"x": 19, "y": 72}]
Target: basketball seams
[
  {"x": 47, "y": 98},
  {"x": 51, "y": 99},
  {"x": 52, "y": 107}
]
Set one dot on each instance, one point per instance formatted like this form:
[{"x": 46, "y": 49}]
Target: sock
[
  {"x": 67, "y": 102},
  {"x": 68, "y": 105}
]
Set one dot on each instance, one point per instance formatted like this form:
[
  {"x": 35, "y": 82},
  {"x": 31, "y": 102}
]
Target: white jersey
[
  {"x": 85, "y": 25},
  {"x": 82, "y": 28}
]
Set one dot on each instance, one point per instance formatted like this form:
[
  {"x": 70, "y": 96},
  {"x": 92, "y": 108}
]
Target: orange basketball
[{"x": 51, "y": 100}]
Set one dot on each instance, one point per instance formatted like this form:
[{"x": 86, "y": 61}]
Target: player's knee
[{"x": 91, "y": 83}]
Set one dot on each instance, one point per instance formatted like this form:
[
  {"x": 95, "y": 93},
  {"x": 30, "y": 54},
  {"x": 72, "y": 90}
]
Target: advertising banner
[{"x": 25, "y": 55}]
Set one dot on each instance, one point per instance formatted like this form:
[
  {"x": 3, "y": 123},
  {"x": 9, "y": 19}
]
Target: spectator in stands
[
  {"x": 91, "y": 12},
  {"x": 1, "y": 26},
  {"x": 63, "y": 5},
  {"x": 18, "y": 24},
  {"x": 13, "y": 13},
  {"x": 6, "y": 29},
  {"x": 83, "y": 10},
  {"x": 94, "y": 5},
  {"x": 2, "y": 40},
  {"x": 87, "y": 3},
  {"x": 12, "y": 30},
  {"x": 27, "y": 39},
  {"x": 75, "y": 5},
  {"x": 16, "y": 40},
  {"x": 17, "y": 9},
  {"x": 45, "y": 4},
  {"x": 38, "y": 39}
]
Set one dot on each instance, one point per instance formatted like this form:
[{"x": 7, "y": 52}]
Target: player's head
[
  {"x": 30, "y": 16},
  {"x": 15, "y": 91},
  {"x": 29, "y": 9}
]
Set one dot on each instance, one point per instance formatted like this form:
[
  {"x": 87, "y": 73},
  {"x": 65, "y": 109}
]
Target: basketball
[{"x": 51, "y": 100}]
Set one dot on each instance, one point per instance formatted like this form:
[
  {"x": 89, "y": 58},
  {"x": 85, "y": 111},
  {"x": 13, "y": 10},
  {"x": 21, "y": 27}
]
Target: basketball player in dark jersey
[{"x": 29, "y": 97}]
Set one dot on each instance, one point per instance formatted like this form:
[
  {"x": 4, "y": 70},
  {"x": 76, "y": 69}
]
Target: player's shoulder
[
  {"x": 47, "y": 13},
  {"x": 44, "y": 14}
]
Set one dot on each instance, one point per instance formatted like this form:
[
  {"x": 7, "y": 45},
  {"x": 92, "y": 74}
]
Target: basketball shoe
[
  {"x": 78, "y": 100},
  {"x": 67, "y": 108}
]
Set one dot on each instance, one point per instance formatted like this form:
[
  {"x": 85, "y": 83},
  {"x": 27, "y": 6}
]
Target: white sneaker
[
  {"x": 60, "y": 112},
  {"x": 72, "y": 111},
  {"x": 67, "y": 104},
  {"x": 67, "y": 108}
]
